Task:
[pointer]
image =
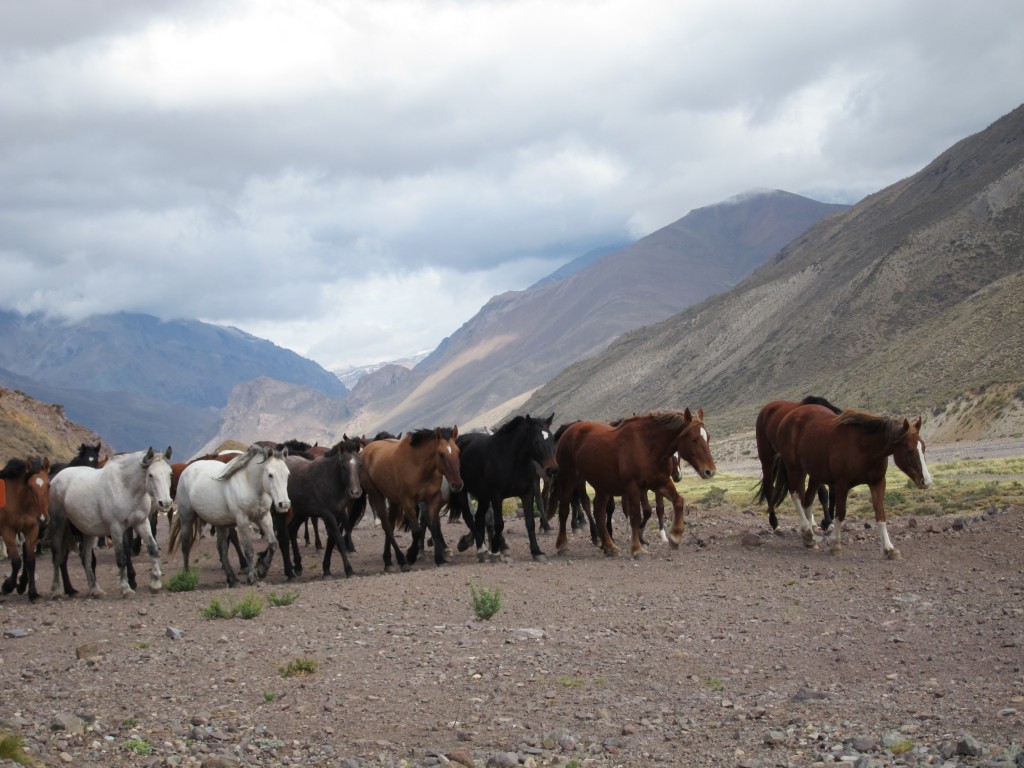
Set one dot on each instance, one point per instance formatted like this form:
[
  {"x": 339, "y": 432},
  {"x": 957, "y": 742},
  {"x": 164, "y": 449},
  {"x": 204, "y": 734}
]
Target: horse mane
[
  {"x": 418, "y": 436},
  {"x": 510, "y": 426},
  {"x": 674, "y": 420},
  {"x": 237, "y": 465},
  {"x": 20, "y": 468},
  {"x": 294, "y": 446},
  {"x": 890, "y": 429}
]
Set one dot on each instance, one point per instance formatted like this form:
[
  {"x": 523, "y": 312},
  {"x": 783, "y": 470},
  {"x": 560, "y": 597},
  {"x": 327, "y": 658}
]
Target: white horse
[
  {"x": 107, "y": 502},
  {"x": 240, "y": 493}
]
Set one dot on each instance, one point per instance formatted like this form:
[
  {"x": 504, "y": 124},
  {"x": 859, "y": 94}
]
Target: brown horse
[
  {"x": 626, "y": 461},
  {"x": 819, "y": 447},
  {"x": 405, "y": 473},
  {"x": 25, "y": 508},
  {"x": 766, "y": 434}
]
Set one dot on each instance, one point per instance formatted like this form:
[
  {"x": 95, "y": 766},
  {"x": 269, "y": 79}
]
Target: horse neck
[
  {"x": 662, "y": 440},
  {"x": 129, "y": 473},
  {"x": 423, "y": 459}
]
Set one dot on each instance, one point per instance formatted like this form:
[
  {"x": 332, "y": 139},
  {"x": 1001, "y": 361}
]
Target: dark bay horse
[
  {"x": 766, "y": 434},
  {"x": 398, "y": 475},
  {"x": 626, "y": 461},
  {"x": 23, "y": 510},
  {"x": 499, "y": 466},
  {"x": 322, "y": 488},
  {"x": 818, "y": 447}
]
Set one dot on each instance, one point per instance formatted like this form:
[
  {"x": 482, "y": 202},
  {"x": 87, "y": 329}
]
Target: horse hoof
[
  {"x": 481, "y": 557},
  {"x": 405, "y": 568},
  {"x": 835, "y": 549},
  {"x": 540, "y": 557},
  {"x": 893, "y": 554},
  {"x": 96, "y": 593},
  {"x": 156, "y": 585},
  {"x": 664, "y": 538},
  {"x": 7, "y": 588},
  {"x": 640, "y": 554},
  {"x": 495, "y": 557},
  {"x": 127, "y": 593},
  {"x": 673, "y": 540},
  {"x": 505, "y": 557},
  {"x": 611, "y": 552},
  {"x": 563, "y": 552}
]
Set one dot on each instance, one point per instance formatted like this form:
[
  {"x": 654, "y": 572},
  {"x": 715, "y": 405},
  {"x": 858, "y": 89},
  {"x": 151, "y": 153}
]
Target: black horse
[
  {"x": 499, "y": 466},
  {"x": 323, "y": 488}
]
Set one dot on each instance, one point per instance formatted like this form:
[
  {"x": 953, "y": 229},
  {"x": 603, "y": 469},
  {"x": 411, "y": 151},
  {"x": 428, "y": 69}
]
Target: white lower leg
[
  {"x": 883, "y": 535},
  {"x": 806, "y": 524}
]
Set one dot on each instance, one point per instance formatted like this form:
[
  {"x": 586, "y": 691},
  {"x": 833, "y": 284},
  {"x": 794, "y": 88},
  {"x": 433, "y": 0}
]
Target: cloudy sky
[{"x": 353, "y": 179}]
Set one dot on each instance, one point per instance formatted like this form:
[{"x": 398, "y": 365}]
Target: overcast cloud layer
[{"x": 353, "y": 180}]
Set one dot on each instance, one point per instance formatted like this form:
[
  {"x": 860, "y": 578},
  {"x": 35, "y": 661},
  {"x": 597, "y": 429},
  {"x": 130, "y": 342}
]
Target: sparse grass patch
[
  {"x": 184, "y": 581},
  {"x": 139, "y": 746},
  {"x": 901, "y": 747},
  {"x": 715, "y": 684},
  {"x": 713, "y": 498},
  {"x": 139, "y": 646},
  {"x": 12, "y": 748},
  {"x": 268, "y": 697},
  {"x": 129, "y": 722},
  {"x": 571, "y": 682},
  {"x": 297, "y": 667},
  {"x": 248, "y": 608},
  {"x": 486, "y": 602},
  {"x": 284, "y": 599}
]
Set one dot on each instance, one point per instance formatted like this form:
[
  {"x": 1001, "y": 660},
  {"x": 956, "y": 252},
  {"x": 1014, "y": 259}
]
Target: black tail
[
  {"x": 781, "y": 481},
  {"x": 814, "y": 400},
  {"x": 760, "y": 495}
]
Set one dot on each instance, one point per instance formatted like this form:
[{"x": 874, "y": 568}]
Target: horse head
[
  {"x": 37, "y": 480},
  {"x": 694, "y": 444},
  {"x": 158, "y": 477},
  {"x": 908, "y": 454},
  {"x": 542, "y": 446},
  {"x": 274, "y": 479},
  {"x": 349, "y": 465},
  {"x": 447, "y": 458}
]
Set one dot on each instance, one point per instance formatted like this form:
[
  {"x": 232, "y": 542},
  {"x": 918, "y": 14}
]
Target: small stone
[
  {"x": 15, "y": 632},
  {"x": 88, "y": 652},
  {"x": 628, "y": 729},
  {"x": 751, "y": 540},
  {"x": 503, "y": 760},
  {"x": 174, "y": 633},
  {"x": 462, "y": 757},
  {"x": 220, "y": 761},
  {"x": 528, "y": 633},
  {"x": 65, "y": 721},
  {"x": 774, "y": 738},
  {"x": 864, "y": 743},
  {"x": 66, "y": 757},
  {"x": 969, "y": 746},
  {"x": 1007, "y": 712}
]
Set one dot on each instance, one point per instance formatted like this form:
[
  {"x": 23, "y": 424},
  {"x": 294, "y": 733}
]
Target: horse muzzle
[
  {"x": 163, "y": 506},
  {"x": 43, "y": 519},
  {"x": 357, "y": 494},
  {"x": 551, "y": 471},
  {"x": 456, "y": 487},
  {"x": 707, "y": 474},
  {"x": 283, "y": 506}
]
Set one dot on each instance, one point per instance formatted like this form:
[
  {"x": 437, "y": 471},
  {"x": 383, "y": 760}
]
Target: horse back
[
  {"x": 394, "y": 468},
  {"x": 810, "y": 439},
  {"x": 606, "y": 457}
]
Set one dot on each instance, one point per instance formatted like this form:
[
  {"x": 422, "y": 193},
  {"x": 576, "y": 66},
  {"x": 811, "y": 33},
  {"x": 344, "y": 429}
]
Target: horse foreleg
[
  {"x": 267, "y": 556},
  {"x": 531, "y": 529},
  {"x": 335, "y": 539},
  {"x": 28, "y": 576},
  {"x": 877, "y": 501},
  {"x": 146, "y": 536},
  {"x": 121, "y": 540},
  {"x": 87, "y": 553},
  {"x": 645, "y": 506},
  {"x": 288, "y": 537},
  {"x": 11, "y": 542},
  {"x": 806, "y": 521},
  {"x": 244, "y": 531}
]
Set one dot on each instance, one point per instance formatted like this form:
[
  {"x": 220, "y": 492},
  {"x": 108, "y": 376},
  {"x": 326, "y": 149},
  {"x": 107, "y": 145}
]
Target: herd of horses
[{"x": 805, "y": 448}]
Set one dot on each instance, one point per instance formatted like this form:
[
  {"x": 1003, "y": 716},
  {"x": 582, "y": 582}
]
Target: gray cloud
[{"x": 354, "y": 180}]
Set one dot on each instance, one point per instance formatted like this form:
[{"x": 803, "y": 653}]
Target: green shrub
[
  {"x": 11, "y": 748},
  {"x": 139, "y": 746},
  {"x": 297, "y": 667},
  {"x": 215, "y": 610},
  {"x": 248, "y": 608},
  {"x": 184, "y": 581},
  {"x": 486, "y": 602},
  {"x": 286, "y": 599}
]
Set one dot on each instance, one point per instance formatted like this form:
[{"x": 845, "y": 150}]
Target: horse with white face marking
[
  {"x": 107, "y": 502},
  {"x": 243, "y": 492},
  {"x": 844, "y": 451}
]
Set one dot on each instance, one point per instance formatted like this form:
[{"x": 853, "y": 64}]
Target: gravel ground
[{"x": 741, "y": 648}]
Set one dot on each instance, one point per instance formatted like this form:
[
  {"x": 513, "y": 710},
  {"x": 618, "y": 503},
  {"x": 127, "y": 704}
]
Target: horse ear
[
  {"x": 550, "y": 418},
  {"x": 455, "y": 431},
  {"x": 148, "y": 458},
  {"x": 46, "y": 463},
  {"x": 905, "y": 429},
  {"x": 917, "y": 424},
  {"x": 167, "y": 453},
  {"x": 700, "y": 414},
  {"x": 687, "y": 416}
]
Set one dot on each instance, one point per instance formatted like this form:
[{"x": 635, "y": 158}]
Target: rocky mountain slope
[
  {"x": 520, "y": 339},
  {"x": 905, "y": 302},
  {"x": 29, "y": 427}
]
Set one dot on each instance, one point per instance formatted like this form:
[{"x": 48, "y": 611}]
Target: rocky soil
[{"x": 741, "y": 648}]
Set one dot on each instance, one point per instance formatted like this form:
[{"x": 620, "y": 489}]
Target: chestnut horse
[
  {"x": 819, "y": 447},
  {"x": 402, "y": 474},
  {"x": 628, "y": 460},
  {"x": 766, "y": 434},
  {"x": 23, "y": 509}
]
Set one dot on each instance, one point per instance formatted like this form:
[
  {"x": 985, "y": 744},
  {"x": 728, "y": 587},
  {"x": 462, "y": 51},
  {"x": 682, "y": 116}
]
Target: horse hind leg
[
  {"x": 146, "y": 536},
  {"x": 87, "y": 553}
]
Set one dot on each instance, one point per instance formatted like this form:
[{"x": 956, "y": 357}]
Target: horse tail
[
  {"x": 356, "y": 511},
  {"x": 760, "y": 495},
  {"x": 172, "y": 537},
  {"x": 781, "y": 482},
  {"x": 458, "y": 502}
]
